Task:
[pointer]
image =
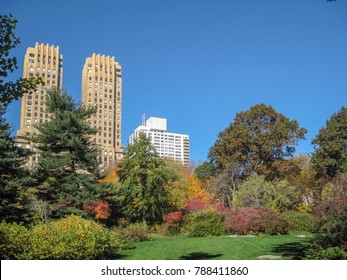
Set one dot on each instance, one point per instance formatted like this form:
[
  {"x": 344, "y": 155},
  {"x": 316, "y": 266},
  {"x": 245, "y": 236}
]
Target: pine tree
[
  {"x": 14, "y": 178},
  {"x": 67, "y": 170}
]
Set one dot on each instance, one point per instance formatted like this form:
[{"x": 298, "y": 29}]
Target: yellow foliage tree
[{"x": 187, "y": 187}]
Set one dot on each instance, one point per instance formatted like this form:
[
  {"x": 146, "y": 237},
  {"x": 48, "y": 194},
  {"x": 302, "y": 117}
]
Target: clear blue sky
[{"x": 199, "y": 62}]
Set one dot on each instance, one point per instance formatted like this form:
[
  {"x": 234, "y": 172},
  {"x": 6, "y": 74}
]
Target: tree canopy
[
  {"x": 330, "y": 145},
  {"x": 11, "y": 90},
  {"x": 143, "y": 175},
  {"x": 14, "y": 179},
  {"x": 67, "y": 170},
  {"x": 258, "y": 140}
]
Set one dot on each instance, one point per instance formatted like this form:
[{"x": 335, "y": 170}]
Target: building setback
[
  {"x": 102, "y": 88},
  {"x": 46, "y": 62},
  {"x": 168, "y": 145}
]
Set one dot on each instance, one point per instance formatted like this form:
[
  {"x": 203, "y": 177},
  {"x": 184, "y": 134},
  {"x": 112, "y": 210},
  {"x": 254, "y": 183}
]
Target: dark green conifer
[
  {"x": 14, "y": 178},
  {"x": 67, "y": 170}
]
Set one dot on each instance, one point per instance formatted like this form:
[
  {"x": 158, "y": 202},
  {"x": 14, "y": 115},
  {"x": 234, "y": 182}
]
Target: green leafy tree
[
  {"x": 258, "y": 140},
  {"x": 11, "y": 90},
  {"x": 67, "y": 171},
  {"x": 14, "y": 179},
  {"x": 144, "y": 176},
  {"x": 330, "y": 145},
  {"x": 256, "y": 191},
  {"x": 205, "y": 170}
]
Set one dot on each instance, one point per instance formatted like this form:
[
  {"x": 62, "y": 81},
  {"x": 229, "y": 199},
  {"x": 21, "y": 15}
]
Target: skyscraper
[
  {"x": 168, "y": 145},
  {"x": 102, "y": 88},
  {"x": 47, "y": 62}
]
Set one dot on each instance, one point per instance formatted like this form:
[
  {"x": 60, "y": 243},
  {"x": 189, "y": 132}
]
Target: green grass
[{"x": 217, "y": 248}]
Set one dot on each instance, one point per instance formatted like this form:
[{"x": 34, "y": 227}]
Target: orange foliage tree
[{"x": 187, "y": 188}]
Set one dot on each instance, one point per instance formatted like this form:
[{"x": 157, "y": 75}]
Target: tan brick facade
[{"x": 102, "y": 88}]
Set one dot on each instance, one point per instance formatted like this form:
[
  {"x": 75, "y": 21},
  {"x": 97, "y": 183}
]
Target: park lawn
[{"x": 287, "y": 247}]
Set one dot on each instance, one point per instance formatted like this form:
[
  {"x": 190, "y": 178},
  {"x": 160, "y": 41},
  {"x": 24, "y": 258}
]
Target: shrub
[
  {"x": 136, "y": 232},
  {"x": 255, "y": 220},
  {"x": 299, "y": 221},
  {"x": 333, "y": 211},
  {"x": 200, "y": 205},
  {"x": 69, "y": 238},
  {"x": 72, "y": 238},
  {"x": 316, "y": 252},
  {"x": 206, "y": 223},
  {"x": 196, "y": 205},
  {"x": 13, "y": 241},
  {"x": 172, "y": 223}
]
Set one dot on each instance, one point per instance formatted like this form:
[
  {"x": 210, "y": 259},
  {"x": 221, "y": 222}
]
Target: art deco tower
[
  {"x": 46, "y": 62},
  {"x": 102, "y": 88}
]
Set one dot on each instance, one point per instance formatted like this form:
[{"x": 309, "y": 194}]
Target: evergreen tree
[
  {"x": 67, "y": 170},
  {"x": 144, "y": 176},
  {"x": 14, "y": 179},
  {"x": 330, "y": 156}
]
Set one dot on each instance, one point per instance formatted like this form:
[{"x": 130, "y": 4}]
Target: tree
[
  {"x": 225, "y": 183},
  {"x": 144, "y": 176},
  {"x": 257, "y": 140},
  {"x": 8, "y": 40},
  {"x": 67, "y": 171},
  {"x": 205, "y": 171},
  {"x": 330, "y": 145},
  {"x": 256, "y": 191},
  {"x": 14, "y": 179}
]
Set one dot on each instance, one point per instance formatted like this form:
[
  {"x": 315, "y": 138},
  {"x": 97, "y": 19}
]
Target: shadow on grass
[
  {"x": 199, "y": 256},
  {"x": 119, "y": 257},
  {"x": 293, "y": 250}
]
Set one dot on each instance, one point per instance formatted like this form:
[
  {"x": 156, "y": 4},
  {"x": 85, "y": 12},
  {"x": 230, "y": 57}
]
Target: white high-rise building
[{"x": 168, "y": 145}]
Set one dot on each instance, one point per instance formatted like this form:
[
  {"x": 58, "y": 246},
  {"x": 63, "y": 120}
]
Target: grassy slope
[{"x": 217, "y": 248}]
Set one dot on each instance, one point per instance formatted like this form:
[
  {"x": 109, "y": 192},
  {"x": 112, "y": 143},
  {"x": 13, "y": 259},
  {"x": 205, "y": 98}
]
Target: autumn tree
[
  {"x": 178, "y": 190},
  {"x": 143, "y": 175},
  {"x": 10, "y": 90},
  {"x": 67, "y": 171},
  {"x": 330, "y": 146},
  {"x": 257, "y": 140}
]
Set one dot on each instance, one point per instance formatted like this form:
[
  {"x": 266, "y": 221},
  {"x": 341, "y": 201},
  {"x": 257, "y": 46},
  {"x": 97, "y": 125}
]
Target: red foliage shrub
[
  {"x": 255, "y": 220},
  {"x": 196, "y": 205},
  {"x": 172, "y": 223},
  {"x": 101, "y": 209},
  {"x": 199, "y": 205},
  {"x": 173, "y": 218}
]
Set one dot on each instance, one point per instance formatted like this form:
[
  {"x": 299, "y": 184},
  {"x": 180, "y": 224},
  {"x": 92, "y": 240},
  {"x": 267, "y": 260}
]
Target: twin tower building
[{"x": 101, "y": 87}]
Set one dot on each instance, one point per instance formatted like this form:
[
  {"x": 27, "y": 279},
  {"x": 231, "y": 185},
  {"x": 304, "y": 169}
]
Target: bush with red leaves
[
  {"x": 255, "y": 220},
  {"x": 100, "y": 208},
  {"x": 172, "y": 223}
]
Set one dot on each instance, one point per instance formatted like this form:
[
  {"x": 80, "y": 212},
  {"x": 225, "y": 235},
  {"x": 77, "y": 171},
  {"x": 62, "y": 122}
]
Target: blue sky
[{"x": 199, "y": 62}]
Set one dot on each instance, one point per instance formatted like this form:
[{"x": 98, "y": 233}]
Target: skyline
[{"x": 198, "y": 63}]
